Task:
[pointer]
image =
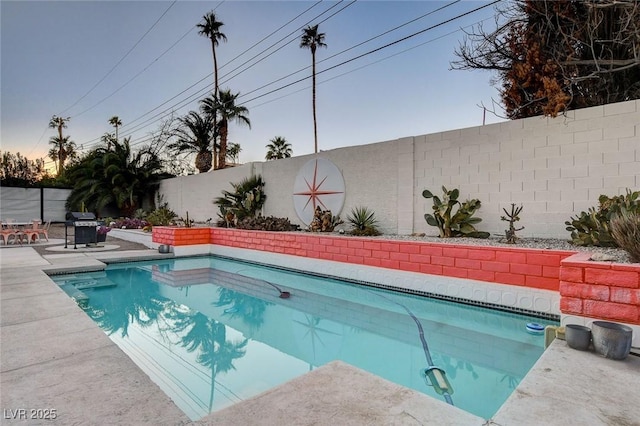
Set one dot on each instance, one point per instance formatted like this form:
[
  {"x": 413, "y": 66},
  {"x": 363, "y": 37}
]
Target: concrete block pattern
[{"x": 552, "y": 161}]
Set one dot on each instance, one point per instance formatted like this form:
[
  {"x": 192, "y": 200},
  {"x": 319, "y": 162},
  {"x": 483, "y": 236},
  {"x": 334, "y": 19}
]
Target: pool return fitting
[{"x": 433, "y": 376}]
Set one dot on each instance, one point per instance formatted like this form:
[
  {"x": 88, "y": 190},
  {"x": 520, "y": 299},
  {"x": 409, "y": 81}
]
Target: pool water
[{"x": 213, "y": 331}]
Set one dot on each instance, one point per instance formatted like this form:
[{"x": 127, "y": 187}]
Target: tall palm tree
[
  {"x": 115, "y": 122},
  {"x": 312, "y": 39},
  {"x": 224, "y": 105},
  {"x": 59, "y": 123},
  {"x": 63, "y": 149},
  {"x": 211, "y": 29},
  {"x": 278, "y": 148},
  {"x": 195, "y": 134}
]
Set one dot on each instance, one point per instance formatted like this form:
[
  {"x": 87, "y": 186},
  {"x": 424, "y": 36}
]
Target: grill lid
[{"x": 75, "y": 216}]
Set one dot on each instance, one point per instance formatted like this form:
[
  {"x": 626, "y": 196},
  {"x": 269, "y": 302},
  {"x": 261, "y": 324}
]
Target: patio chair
[
  {"x": 8, "y": 231},
  {"x": 33, "y": 232},
  {"x": 44, "y": 231}
]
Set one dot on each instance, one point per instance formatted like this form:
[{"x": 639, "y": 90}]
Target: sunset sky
[{"x": 144, "y": 60}]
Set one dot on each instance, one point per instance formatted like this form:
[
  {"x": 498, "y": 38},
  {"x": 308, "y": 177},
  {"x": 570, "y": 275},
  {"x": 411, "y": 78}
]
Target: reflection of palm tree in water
[
  {"x": 126, "y": 304},
  {"x": 313, "y": 329},
  {"x": 249, "y": 309},
  {"x": 210, "y": 338}
]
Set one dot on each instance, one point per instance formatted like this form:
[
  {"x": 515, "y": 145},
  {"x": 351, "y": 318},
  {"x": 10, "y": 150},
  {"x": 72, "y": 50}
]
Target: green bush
[
  {"x": 625, "y": 230},
  {"x": 453, "y": 218},
  {"x": 593, "y": 227},
  {"x": 363, "y": 222},
  {"x": 162, "y": 216}
]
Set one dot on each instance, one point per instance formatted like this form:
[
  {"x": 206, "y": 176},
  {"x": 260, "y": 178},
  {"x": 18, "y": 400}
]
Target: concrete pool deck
[{"x": 53, "y": 357}]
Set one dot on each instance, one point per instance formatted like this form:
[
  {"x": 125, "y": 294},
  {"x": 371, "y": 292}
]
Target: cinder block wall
[{"x": 554, "y": 167}]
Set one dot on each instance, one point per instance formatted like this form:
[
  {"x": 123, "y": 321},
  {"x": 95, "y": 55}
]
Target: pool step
[
  {"x": 94, "y": 284},
  {"x": 81, "y": 299}
]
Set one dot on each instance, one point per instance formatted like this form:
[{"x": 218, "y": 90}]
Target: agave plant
[{"x": 363, "y": 221}]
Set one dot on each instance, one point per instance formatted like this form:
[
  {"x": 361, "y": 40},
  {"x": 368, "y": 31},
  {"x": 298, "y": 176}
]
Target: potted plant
[{"x": 102, "y": 233}]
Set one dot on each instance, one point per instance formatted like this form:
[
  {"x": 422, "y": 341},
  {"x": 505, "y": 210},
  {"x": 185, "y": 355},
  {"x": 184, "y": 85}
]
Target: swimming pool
[{"x": 212, "y": 332}]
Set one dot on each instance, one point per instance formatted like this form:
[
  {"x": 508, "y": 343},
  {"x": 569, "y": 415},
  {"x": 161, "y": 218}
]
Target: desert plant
[
  {"x": 246, "y": 200},
  {"x": 450, "y": 224},
  {"x": 324, "y": 221},
  {"x": 363, "y": 221},
  {"x": 625, "y": 230},
  {"x": 140, "y": 214},
  {"x": 593, "y": 227},
  {"x": 512, "y": 217},
  {"x": 262, "y": 223},
  {"x": 185, "y": 221},
  {"x": 162, "y": 216}
]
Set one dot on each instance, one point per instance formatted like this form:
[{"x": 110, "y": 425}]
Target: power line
[
  {"x": 143, "y": 139},
  {"x": 121, "y": 59},
  {"x": 206, "y": 88}
]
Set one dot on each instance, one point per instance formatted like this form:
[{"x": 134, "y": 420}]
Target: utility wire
[
  {"x": 340, "y": 64},
  {"x": 206, "y": 88},
  {"x": 121, "y": 59}
]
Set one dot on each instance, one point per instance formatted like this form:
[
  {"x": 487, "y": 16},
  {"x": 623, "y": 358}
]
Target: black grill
[{"x": 84, "y": 226}]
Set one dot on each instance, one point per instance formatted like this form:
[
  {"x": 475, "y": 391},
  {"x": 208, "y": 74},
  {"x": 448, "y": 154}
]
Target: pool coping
[{"x": 32, "y": 305}]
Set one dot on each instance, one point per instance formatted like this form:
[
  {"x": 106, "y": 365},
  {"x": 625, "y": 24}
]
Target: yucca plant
[
  {"x": 363, "y": 221},
  {"x": 625, "y": 230}
]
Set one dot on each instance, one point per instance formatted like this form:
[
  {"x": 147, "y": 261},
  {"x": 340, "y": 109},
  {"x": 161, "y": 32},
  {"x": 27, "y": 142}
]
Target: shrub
[
  {"x": 127, "y": 223},
  {"x": 162, "y": 216},
  {"x": 246, "y": 200},
  {"x": 593, "y": 227},
  {"x": 363, "y": 221},
  {"x": 450, "y": 224},
  {"x": 261, "y": 223},
  {"x": 625, "y": 230}
]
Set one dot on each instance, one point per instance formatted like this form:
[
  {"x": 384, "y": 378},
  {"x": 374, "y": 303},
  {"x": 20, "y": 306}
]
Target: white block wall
[{"x": 554, "y": 167}]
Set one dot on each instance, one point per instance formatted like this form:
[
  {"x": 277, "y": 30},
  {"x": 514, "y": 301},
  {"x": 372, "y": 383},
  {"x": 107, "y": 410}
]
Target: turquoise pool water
[{"x": 212, "y": 332}]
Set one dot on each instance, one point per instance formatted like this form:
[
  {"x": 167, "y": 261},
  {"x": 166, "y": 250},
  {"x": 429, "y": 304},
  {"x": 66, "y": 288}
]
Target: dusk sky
[{"x": 91, "y": 60}]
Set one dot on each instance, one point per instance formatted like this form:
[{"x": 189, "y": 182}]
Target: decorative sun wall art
[{"x": 319, "y": 183}]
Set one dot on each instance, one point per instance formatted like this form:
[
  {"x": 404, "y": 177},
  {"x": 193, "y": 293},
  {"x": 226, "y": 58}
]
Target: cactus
[
  {"x": 593, "y": 227},
  {"x": 510, "y": 234},
  {"x": 458, "y": 224}
]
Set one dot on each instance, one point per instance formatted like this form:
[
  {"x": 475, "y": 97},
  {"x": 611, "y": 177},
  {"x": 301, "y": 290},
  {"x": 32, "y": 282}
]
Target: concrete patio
[{"x": 53, "y": 357}]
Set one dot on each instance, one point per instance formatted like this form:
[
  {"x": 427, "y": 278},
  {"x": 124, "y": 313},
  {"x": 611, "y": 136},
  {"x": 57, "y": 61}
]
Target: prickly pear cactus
[
  {"x": 453, "y": 224},
  {"x": 593, "y": 227}
]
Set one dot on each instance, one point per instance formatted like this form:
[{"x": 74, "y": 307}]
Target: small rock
[{"x": 602, "y": 257}]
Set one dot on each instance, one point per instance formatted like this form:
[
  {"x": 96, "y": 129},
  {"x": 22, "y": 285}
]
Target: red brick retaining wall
[{"x": 604, "y": 290}]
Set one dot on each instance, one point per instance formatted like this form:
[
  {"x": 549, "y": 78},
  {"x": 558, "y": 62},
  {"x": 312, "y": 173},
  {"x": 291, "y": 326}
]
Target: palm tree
[
  {"x": 211, "y": 29},
  {"x": 115, "y": 122},
  {"x": 59, "y": 123},
  {"x": 225, "y": 106},
  {"x": 195, "y": 134},
  {"x": 233, "y": 152},
  {"x": 278, "y": 148},
  {"x": 312, "y": 39},
  {"x": 63, "y": 149},
  {"x": 119, "y": 178}
]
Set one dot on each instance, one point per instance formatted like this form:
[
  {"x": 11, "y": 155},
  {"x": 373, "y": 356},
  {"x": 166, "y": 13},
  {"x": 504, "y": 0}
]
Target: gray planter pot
[
  {"x": 611, "y": 340},
  {"x": 164, "y": 248},
  {"x": 577, "y": 336}
]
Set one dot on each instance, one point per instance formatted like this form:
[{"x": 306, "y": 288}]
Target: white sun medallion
[{"x": 319, "y": 183}]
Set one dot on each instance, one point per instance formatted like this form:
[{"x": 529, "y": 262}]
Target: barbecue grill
[{"x": 84, "y": 226}]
